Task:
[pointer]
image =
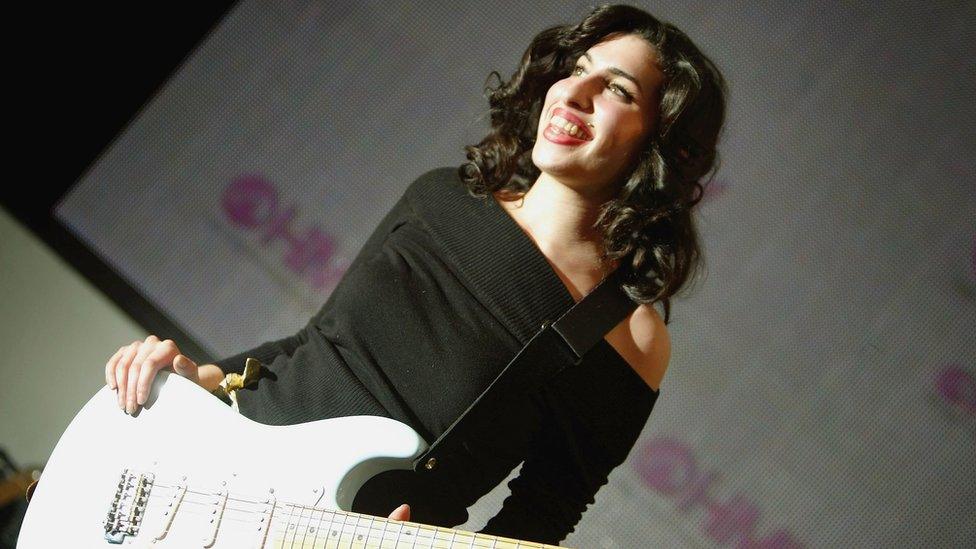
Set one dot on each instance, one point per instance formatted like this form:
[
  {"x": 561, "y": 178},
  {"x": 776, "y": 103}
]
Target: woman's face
[{"x": 614, "y": 87}]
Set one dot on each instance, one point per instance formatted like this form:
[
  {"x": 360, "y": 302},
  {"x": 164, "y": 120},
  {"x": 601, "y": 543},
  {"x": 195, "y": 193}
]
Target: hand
[
  {"x": 132, "y": 368},
  {"x": 401, "y": 513}
]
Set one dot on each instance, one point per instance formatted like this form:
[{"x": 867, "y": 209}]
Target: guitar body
[{"x": 187, "y": 471}]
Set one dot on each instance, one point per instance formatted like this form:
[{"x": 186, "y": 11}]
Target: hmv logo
[
  {"x": 957, "y": 387},
  {"x": 252, "y": 203},
  {"x": 668, "y": 467}
]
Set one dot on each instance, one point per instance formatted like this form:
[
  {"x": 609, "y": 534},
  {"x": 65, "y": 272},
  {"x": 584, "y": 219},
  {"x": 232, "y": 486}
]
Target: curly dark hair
[{"x": 648, "y": 225}]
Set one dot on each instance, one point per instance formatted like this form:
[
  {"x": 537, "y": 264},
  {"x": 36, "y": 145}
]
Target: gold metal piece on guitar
[
  {"x": 232, "y": 382},
  {"x": 252, "y": 369}
]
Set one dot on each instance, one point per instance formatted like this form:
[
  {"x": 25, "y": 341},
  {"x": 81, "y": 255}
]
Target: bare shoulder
[{"x": 642, "y": 339}]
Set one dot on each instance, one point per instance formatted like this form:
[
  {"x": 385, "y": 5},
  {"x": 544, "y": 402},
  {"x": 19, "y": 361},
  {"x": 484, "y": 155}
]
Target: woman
[{"x": 598, "y": 149}]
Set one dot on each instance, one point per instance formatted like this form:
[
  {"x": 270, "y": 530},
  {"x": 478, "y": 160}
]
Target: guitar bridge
[{"x": 127, "y": 508}]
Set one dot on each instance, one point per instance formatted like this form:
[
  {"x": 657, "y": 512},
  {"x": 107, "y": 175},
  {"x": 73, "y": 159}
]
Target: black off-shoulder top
[{"x": 441, "y": 297}]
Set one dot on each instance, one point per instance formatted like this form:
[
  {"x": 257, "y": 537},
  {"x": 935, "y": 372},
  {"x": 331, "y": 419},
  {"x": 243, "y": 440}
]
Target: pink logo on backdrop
[
  {"x": 958, "y": 388},
  {"x": 252, "y": 202},
  {"x": 669, "y": 467}
]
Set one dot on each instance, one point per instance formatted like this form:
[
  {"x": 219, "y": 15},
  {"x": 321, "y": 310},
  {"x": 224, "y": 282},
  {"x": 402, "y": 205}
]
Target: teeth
[{"x": 567, "y": 127}]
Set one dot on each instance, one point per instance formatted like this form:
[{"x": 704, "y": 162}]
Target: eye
[
  {"x": 623, "y": 93},
  {"x": 620, "y": 91}
]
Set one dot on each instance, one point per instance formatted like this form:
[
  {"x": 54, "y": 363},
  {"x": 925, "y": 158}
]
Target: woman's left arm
[{"x": 586, "y": 432}]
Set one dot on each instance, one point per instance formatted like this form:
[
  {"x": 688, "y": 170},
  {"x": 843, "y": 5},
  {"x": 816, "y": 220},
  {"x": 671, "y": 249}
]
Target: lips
[{"x": 564, "y": 113}]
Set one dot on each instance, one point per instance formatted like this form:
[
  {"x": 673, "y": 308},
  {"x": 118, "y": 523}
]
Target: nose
[{"x": 578, "y": 91}]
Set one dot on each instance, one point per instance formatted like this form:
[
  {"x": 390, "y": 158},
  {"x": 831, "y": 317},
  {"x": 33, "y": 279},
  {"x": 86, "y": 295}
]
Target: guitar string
[
  {"x": 366, "y": 533},
  {"x": 289, "y": 526},
  {"x": 276, "y": 527},
  {"x": 346, "y": 530}
]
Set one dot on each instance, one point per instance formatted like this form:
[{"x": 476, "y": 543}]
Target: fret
[
  {"x": 291, "y": 525},
  {"x": 312, "y": 529},
  {"x": 353, "y": 536},
  {"x": 433, "y": 536},
  {"x": 288, "y": 526},
  {"x": 386, "y": 523},
  {"x": 318, "y": 528},
  {"x": 464, "y": 539},
  {"x": 438, "y": 538},
  {"x": 360, "y": 537},
  {"x": 342, "y": 528},
  {"x": 299, "y": 524},
  {"x": 415, "y": 536},
  {"x": 369, "y": 527},
  {"x": 460, "y": 538},
  {"x": 332, "y": 522},
  {"x": 396, "y": 541}
]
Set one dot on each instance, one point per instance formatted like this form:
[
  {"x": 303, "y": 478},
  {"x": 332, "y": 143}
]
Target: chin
[{"x": 555, "y": 164}]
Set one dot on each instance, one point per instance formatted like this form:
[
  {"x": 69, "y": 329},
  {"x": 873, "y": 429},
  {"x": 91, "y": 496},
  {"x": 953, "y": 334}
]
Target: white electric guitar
[{"x": 187, "y": 471}]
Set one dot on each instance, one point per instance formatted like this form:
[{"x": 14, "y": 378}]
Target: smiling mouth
[
  {"x": 563, "y": 126},
  {"x": 558, "y": 135}
]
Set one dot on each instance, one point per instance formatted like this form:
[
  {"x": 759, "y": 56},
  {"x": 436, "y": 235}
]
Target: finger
[
  {"x": 401, "y": 513},
  {"x": 131, "y": 386},
  {"x": 158, "y": 359},
  {"x": 110, "y": 368},
  {"x": 187, "y": 368},
  {"x": 132, "y": 382},
  {"x": 122, "y": 369}
]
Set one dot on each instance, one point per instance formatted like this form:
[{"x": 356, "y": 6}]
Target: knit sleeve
[
  {"x": 587, "y": 431},
  {"x": 266, "y": 352}
]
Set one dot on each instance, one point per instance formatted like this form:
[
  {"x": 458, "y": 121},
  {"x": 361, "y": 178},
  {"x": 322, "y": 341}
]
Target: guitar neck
[
  {"x": 279, "y": 524},
  {"x": 298, "y": 526}
]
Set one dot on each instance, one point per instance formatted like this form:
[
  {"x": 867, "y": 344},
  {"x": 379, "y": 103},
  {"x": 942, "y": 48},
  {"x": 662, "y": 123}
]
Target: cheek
[
  {"x": 627, "y": 131},
  {"x": 554, "y": 91}
]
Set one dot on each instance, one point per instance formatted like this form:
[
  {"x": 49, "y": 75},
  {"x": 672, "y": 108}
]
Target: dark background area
[{"x": 80, "y": 74}]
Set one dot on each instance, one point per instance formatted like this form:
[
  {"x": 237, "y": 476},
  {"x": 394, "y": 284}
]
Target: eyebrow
[{"x": 618, "y": 72}]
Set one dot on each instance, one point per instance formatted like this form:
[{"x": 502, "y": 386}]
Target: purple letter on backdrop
[
  {"x": 958, "y": 387},
  {"x": 250, "y": 200}
]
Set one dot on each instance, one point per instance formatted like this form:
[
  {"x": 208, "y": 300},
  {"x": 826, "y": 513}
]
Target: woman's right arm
[{"x": 133, "y": 367}]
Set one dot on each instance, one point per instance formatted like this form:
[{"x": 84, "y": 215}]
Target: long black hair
[{"x": 648, "y": 226}]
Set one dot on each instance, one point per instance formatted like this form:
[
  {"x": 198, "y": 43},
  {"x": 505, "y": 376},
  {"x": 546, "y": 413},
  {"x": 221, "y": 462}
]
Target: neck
[{"x": 560, "y": 219}]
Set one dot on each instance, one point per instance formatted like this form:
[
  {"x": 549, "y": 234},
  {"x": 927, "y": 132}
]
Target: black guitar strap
[{"x": 557, "y": 345}]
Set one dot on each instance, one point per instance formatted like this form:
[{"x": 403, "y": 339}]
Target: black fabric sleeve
[
  {"x": 585, "y": 434},
  {"x": 266, "y": 352}
]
